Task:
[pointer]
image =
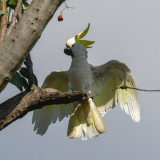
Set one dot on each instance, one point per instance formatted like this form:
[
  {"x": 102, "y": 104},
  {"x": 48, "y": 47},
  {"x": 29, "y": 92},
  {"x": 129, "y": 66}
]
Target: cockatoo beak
[{"x": 68, "y": 51}]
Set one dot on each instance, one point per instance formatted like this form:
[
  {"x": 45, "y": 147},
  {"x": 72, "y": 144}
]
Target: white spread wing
[
  {"x": 49, "y": 114},
  {"x": 107, "y": 78}
]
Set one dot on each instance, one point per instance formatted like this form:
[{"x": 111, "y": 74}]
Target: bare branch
[
  {"x": 3, "y": 21},
  {"x": 14, "y": 17},
  {"x": 29, "y": 65},
  {"x": 19, "y": 13},
  {"x": 37, "y": 98}
]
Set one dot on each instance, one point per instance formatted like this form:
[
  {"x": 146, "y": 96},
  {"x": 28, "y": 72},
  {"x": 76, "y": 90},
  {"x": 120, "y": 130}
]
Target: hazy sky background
[{"x": 126, "y": 30}]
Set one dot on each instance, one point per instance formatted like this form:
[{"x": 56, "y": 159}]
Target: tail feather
[{"x": 86, "y": 121}]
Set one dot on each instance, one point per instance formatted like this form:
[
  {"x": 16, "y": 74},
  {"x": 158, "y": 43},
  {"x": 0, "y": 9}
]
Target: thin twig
[
  {"x": 14, "y": 17},
  {"x": 3, "y": 21},
  {"x": 19, "y": 13},
  {"x": 66, "y": 7},
  {"x": 145, "y": 90}
]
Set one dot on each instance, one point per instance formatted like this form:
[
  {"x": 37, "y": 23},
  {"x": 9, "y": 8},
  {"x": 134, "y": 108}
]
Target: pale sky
[{"x": 125, "y": 30}]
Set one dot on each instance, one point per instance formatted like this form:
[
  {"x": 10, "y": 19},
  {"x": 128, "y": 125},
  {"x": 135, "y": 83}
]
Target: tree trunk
[{"x": 24, "y": 36}]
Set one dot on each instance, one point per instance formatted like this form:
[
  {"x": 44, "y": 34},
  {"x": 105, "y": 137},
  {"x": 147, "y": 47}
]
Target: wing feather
[
  {"x": 106, "y": 79},
  {"x": 50, "y": 114}
]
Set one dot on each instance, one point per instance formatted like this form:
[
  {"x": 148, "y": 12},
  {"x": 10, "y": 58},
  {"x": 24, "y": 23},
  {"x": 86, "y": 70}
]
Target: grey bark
[{"x": 20, "y": 105}]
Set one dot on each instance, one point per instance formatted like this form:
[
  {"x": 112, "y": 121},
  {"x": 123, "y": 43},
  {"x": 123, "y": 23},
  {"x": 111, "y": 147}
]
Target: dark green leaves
[
  {"x": 20, "y": 79},
  {"x": 24, "y": 72},
  {"x": 24, "y": 2},
  {"x": 12, "y": 4}
]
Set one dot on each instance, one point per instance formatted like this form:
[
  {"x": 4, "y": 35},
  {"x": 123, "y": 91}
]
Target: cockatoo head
[{"x": 76, "y": 47}]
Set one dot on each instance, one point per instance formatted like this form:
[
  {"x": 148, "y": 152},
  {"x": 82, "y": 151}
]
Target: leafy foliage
[
  {"x": 25, "y": 73},
  {"x": 21, "y": 79},
  {"x": 11, "y": 5}
]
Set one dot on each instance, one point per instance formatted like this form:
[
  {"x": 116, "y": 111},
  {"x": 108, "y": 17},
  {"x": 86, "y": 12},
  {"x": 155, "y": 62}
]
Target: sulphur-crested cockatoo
[{"x": 103, "y": 82}]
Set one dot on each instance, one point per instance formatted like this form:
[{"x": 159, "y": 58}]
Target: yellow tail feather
[{"x": 86, "y": 121}]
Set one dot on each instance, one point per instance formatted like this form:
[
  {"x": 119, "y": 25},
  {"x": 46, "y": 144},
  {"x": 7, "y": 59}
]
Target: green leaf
[
  {"x": 24, "y": 83},
  {"x": 24, "y": 72},
  {"x": 4, "y": 0},
  {"x": 15, "y": 82},
  {"x": 2, "y": 12},
  {"x": 24, "y": 2},
  {"x": 11, "y": 6},
  {"x": 19, "y": 81},
  {"x": 12, "y": 2},
  {"x": 82, "y": 34},
  {"x": 9, "y": 13}
]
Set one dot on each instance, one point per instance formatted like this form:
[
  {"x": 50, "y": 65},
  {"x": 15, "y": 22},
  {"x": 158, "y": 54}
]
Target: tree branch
[
  {"x": 14, "y": 17},
  {"x": 35, "y": 99},
  {"x": 24, "y": 36},
  {"x": 19, "y": 13},
  {"x": 3, "y": 21},
  {"x": 29, "y": 65},
  {"x": 8, "y": 106}
]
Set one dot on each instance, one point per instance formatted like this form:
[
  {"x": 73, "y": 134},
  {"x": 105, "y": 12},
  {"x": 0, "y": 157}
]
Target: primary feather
[
  {"x": 107, "y": 79},
  {"x": 50, "y": 114}
]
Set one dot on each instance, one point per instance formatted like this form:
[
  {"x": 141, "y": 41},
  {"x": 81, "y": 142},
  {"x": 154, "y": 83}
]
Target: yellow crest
[{"x": 85, "y": 43}]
